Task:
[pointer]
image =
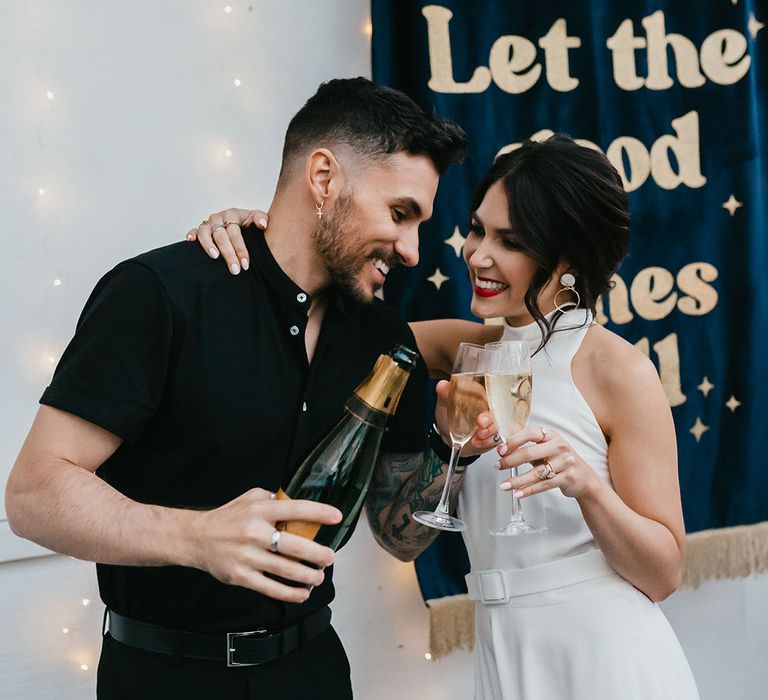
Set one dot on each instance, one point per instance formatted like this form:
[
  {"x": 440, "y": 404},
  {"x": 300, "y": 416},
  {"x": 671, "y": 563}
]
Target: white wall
[{"x": 130, "y": 152}]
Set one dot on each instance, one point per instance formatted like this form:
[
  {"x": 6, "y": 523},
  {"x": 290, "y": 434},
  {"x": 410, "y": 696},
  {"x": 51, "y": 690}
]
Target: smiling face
[
  {"x": 374, "y": 224},
  {"x": 499, "y": 268}
]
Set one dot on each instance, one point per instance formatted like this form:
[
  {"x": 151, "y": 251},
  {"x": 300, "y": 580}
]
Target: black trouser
[{"x": 319, "y": 671}]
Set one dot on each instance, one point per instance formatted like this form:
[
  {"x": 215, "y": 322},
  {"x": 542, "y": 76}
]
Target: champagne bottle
[{"x": 338, "y": 471}]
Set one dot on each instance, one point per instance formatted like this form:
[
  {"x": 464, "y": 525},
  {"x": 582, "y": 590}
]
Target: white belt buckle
[{"x": 493, "y": 587}]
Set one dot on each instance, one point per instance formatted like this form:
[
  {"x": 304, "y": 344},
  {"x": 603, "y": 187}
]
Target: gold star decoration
[
  {"x": 438, "y": 278},
  {"x": 732, "y": 204},
  {"x": 698, "y": 429},
  {"x": 706, "y": 386},
  {"x": 754, "y": 26},
  {"x": 456, "y": 241},
  {"x": 733, "y": 403}
]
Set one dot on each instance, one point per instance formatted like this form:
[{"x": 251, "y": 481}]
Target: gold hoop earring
[
  {"x": 569, "y": 285},
  {"x": 319, "y": 208}
]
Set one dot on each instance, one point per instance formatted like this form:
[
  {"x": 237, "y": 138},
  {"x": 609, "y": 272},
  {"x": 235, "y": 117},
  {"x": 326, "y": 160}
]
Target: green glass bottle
[{"x": 338, "y": 471}]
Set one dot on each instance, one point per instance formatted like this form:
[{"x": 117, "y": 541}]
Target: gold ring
[{"x": 545, "y": 471}]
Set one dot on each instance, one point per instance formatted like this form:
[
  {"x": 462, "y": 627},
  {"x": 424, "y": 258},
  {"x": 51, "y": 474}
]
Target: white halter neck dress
[{"x": 553, "y": 620}]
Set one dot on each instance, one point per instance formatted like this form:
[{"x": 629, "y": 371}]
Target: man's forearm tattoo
[{"x": 401, "y": 485}]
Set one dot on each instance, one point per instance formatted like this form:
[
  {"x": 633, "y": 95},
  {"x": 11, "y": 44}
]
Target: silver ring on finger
[
  {"x": 543, "y": 433},
  {"x": 545, "y": 471},
  {"x": 232, "y": 223},
  {"x": 275, "y": 541},
  {"x": 217, "y": 227}
]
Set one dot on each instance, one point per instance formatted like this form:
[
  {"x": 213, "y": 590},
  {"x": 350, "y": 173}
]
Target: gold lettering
[
  {"x": 639, "y": 161},
  {"x": 441, "y": 60},
  {"x": 622, "y": 46},
  {"x": 652, "y": 293},
  {"x": 510, "y": 56},
  {"x": 669, "y": 369},
  {"x": 669, "y": 366},
  {"x": 722, "y": 56},
  {"x": 556, "y": 43},
  {"x": 618, "y": 301},
  {"x": 693, "y": 280},
  {"x": 600, "y": 316},
  {"x": 685, "y": 146},
  {"x": 686, "y": 56}
]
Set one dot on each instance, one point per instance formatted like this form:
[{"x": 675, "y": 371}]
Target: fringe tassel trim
[{"x": 726, "y": 553}]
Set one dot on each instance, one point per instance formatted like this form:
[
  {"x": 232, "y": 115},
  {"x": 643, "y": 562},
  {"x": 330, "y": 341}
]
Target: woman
[{"x": 569, "y": 612}]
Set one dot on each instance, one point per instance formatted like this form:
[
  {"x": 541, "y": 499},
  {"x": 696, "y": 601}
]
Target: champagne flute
[
  {"x": 508, "y": 382},
  {"x": 466, "y": 400}
]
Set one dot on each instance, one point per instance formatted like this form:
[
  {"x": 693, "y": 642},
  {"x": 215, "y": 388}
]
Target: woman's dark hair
[
  {"x": 375, "y": 121},
  {"x": 567, "y": 203}
]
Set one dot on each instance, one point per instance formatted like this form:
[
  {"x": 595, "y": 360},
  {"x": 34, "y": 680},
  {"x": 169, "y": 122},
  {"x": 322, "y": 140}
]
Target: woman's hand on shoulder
[{"x": 220, "y": 234}]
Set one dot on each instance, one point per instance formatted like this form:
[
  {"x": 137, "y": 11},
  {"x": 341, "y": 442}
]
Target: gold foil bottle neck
[{"x": 383, "y": 387}]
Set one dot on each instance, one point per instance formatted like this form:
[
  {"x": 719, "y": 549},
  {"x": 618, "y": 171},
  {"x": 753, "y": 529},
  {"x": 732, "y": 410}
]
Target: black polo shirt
[{"x": 205, "y": 377}]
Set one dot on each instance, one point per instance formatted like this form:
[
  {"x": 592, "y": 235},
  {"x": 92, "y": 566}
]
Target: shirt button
[
  {"x": 301, "y": 297},
  {"x": 294, "y": 330}
]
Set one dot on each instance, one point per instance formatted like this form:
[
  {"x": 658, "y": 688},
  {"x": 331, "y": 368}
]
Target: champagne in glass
[
  {"x": 509, "y": 383},
  {"x": 466, "y": 400}
]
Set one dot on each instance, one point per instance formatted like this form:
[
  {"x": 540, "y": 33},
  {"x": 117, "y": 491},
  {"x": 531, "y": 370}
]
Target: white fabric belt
[{"x": 498, "y": 586}]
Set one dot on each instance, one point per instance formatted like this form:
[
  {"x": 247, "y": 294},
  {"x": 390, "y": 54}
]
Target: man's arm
[
  {"x": 55, "y": 498},
  {"x": 401, "y": 485}
]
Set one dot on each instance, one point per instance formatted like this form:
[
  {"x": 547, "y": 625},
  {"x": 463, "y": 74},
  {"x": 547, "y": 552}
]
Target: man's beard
[{"x": 341, "y": 250}]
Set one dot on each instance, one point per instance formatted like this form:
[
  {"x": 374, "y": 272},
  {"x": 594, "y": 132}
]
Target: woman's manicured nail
[
  {"x": 505, "y": 486},
  {"x": 263, "y": 222},
  {"x": 517, "y": 494},
  {"x": 244, "y": 263},
  {"x": 213, "y": 253},
  {"x": 234, "y": 269},
  {"x": 502, "y": 450}
]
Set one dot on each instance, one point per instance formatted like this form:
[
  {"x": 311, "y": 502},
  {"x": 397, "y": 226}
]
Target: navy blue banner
[{"x": 675, "y": 94}]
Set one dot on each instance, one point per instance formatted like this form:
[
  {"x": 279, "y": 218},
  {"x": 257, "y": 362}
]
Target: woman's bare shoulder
[{"x": 614, "y": 362}]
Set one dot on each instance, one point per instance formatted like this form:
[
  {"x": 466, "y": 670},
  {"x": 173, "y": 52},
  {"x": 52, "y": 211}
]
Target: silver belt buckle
[{"x": 231, "y": 663}]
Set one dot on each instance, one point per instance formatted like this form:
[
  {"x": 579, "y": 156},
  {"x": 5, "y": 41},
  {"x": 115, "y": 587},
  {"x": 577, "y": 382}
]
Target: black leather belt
[{"x": 235, "y": 648}]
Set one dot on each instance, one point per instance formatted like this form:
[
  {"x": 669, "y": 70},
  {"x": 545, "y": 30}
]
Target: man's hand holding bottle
[{"x": 232, "y": 543}]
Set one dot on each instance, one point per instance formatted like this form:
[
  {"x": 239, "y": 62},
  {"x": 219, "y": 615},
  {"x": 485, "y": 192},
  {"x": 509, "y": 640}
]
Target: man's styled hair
[{"x": 374, "y": 121}]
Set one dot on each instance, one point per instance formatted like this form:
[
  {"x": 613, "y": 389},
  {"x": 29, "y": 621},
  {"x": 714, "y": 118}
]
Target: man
[{"x": 187, "y": 398}]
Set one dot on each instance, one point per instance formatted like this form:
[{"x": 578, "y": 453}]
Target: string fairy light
[
  {"x": 86, "y": 602},
  {"x": 428, "y": 656},
  {"x": 50, "y": 95},
  {"x": 83, "y": 667},
  {"x": 65, "y": 630},
  {"x": 228, "y": 153},
  {"x": 228, "y": 9},
  {"x": 41, "y": 191},
  {"x": 57, "y": 282},
  {"x": 368, "y": 28},
  {"x": 237, "y": 82}
]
